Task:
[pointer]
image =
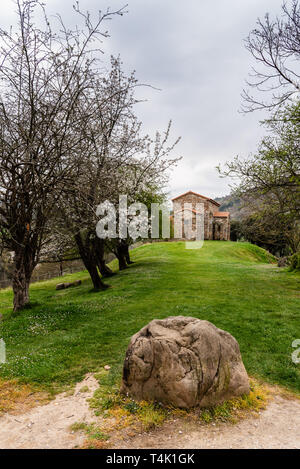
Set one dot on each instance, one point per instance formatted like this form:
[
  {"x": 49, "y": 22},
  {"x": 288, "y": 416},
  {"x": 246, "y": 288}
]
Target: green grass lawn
[{"x": 234, "y": 285}]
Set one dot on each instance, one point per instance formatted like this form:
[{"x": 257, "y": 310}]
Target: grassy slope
[{"x": 69, "y": 332}]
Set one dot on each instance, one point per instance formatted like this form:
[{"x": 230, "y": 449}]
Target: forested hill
[{"x": 233, "y": 205}]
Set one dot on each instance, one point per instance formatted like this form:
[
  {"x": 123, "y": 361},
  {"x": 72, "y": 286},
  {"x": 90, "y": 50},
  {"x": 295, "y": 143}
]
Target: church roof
[
  {"x": 221, "y": 214},
  {"x": 199, "y": 195}
]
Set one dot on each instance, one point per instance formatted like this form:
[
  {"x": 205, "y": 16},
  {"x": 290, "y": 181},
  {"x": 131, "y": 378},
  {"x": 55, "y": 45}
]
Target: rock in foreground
[{"x": 185, "y": 362}]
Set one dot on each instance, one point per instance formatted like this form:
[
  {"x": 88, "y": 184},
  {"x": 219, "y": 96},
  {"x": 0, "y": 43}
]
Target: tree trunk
[
  {"x": 127, "y": 256},
  {"x": 23, "y": 268},
  {"x": 21, "y": 290},
  {"x": 122, "y": 253},
  {"x": 87, "y": 255},
  {"x": 96, "y": 279},
  {"x": 105, "y": 271},
  {"x": 121, "y": 258},
  {"x": 99, "y": 254}
]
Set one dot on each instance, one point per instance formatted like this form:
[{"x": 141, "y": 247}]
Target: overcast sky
[{"x": 193, "y": 51}]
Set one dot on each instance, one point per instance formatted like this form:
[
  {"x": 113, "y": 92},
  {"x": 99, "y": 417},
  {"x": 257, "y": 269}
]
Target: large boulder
[{"x": 185, "y": 362}]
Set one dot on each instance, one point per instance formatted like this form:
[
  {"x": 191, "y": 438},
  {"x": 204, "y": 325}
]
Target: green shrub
[{"x": 295, "y": 262}]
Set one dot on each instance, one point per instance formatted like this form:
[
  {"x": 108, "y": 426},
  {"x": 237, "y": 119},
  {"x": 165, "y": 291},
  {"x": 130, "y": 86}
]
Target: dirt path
[
  {"x": 276, "y": 427},
  {"x": 48, "y": 426}
]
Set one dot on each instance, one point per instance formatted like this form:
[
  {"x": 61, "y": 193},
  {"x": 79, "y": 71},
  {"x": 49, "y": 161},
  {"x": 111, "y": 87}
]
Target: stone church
[{"x": 216, "y": 224}]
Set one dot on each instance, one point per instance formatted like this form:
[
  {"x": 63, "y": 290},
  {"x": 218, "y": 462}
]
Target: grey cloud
[{"x": 194, "y": 52}]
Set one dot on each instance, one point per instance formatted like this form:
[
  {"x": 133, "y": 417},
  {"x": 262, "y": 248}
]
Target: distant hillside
[{"x": 233, "y": 205}]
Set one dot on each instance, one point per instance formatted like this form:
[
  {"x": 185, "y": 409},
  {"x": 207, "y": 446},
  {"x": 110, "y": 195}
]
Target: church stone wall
[
  {"x": 214, "y": 227},
  {"x": 221, "y": 229}
]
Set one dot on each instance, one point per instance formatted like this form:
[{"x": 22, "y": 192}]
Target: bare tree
[
  {"x": 275, "y": 46},
  {"x": 114, "y": 158},
  {"x": 44, "y": 74},
  {"x": 275, "y": 169},
  {"x": 109, "y": 133},
  {"x": 269, "y": 181}
]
